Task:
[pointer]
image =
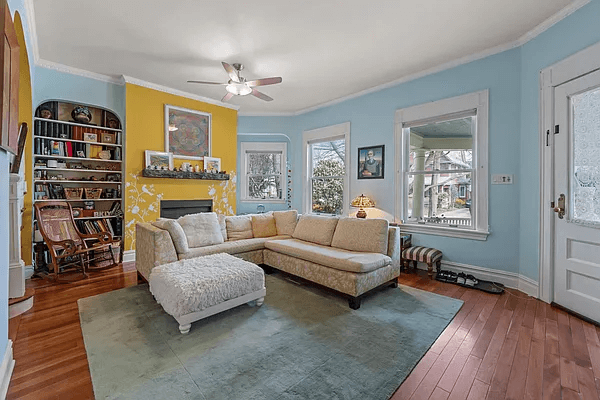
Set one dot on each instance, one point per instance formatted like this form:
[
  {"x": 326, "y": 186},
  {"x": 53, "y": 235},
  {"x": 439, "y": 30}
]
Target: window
[
  {"x": 263, "y": 171},
  {"x": 325, "y": 161},
  {"x": 442, "y": 173}
]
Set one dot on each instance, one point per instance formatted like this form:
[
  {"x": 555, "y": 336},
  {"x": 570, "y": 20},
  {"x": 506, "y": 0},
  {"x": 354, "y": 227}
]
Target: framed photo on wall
[
  {"x": 212, "y": 164},
  {"x": 187, "y": 133},
  {"x": 371, "y": 162},
  {"x": 158, "y": 159}
]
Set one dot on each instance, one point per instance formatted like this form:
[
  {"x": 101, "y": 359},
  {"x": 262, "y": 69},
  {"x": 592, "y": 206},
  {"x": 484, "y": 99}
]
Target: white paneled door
[{"x": 577, "y": 195}]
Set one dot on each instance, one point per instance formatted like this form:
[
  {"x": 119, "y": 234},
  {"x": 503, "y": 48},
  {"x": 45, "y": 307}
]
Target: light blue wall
[
  {"x": 4, "y": 243},
  {"x": 55, "y": 85},
  {"x": 574, "y": 33},
  {"x": 513, "y": 80},
  {"x": 372, "y": 123}
]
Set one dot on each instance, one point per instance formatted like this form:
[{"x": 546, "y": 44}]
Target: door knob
[{"x": 560, "y": 208}]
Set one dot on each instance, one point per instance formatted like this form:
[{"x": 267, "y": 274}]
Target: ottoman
[{"x": 192, "y": 289}]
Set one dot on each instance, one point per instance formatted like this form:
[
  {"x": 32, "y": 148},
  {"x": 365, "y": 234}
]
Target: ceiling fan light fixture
[{"x": 239, "y": 89}]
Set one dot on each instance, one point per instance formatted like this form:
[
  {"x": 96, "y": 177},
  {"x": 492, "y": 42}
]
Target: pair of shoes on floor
[
  {"x": 446, "y": 276},
  {"x": 466, "y": 280}
]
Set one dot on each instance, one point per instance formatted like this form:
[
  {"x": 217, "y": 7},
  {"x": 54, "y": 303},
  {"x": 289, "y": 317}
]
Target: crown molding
[
  {"x": 76, "y": 71},
  {"x": 176, "y": 92},
  {"x": 267, "y": 114},
  {"x": 30, "y": 17},
  {"x": 554, "y": 19},
  {"x": 532, "y": 34}
]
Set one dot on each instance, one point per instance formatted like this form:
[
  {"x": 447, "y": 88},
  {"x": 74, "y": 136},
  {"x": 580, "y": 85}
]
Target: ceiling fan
[{"x": 239, "y": 86}]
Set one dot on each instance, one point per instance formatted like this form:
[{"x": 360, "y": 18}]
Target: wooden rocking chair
[{"x": 67, "y": 245}]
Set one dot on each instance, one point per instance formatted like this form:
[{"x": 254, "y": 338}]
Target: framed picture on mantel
[{"x": 187, "y": 133}]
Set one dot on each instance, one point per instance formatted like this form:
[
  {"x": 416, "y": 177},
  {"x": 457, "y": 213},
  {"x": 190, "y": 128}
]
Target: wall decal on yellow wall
[
  {"x": 143, "y": 205},
  {"x": 221, "y": 194}
]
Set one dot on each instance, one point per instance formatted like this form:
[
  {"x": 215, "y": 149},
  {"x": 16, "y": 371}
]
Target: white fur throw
[{"x": 191, "y": 285}]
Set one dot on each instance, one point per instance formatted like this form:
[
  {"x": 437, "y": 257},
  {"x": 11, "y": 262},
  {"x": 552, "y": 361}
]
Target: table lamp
[{"x": 361, "y": 202}]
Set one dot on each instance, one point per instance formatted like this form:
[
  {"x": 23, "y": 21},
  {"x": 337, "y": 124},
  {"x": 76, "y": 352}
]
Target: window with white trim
[
  {"x": 325, "y": 165},
  {"x": 263, "y": 171},
  {"x": 442, "y": 176}
]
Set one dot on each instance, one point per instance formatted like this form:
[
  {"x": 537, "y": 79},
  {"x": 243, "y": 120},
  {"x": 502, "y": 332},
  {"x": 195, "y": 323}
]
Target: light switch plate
[{"x": 502, "y": 179}]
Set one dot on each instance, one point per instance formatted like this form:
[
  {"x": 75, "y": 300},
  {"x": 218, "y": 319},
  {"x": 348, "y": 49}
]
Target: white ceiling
[{"x": 323, "y": 50}]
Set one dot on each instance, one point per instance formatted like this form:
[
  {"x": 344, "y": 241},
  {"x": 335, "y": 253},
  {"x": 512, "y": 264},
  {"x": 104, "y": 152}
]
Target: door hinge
[
  {"x": 551, "y": 204},
  {"x": 547, "y": 136},
  {"x": 556, "y": 129}
]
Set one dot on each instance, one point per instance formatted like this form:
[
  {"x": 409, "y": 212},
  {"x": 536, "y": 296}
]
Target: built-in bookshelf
[{"x": 77, "y": 158}]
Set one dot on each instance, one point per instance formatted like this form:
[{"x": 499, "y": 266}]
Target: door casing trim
[{"x": 572, "y": 67}]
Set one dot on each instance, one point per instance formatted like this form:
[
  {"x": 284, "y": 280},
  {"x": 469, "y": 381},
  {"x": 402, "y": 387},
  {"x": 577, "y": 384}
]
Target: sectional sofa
[{"x": 349, "y": 255}]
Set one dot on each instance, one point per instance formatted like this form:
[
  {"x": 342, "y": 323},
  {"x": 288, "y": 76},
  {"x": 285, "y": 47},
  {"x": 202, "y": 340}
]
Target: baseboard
[
  {"x": 6, "y": 369},
  {"x": 129, "y": 256},
  {"x": 508, "y": 279}
]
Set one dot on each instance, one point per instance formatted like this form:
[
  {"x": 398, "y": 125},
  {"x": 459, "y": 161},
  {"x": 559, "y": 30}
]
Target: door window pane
[{"x": 585, "y": 182}]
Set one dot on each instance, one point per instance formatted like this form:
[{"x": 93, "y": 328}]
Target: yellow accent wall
[
  {"x": 25, "y": 115},
  {"x": 144, "y": 130}
]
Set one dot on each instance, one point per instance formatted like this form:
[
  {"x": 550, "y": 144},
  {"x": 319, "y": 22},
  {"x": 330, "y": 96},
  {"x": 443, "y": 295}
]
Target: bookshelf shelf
[
  {"x": 84, "y": 182},
  {"x": 58, "y": 139},
  {"x": 77, "y": 141}
]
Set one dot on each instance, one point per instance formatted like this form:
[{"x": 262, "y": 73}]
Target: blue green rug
[{"x": 303, "y": 343}]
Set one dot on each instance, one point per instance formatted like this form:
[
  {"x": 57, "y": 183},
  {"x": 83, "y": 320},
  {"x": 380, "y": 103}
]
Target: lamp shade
[{"x": 362, "y": 201}]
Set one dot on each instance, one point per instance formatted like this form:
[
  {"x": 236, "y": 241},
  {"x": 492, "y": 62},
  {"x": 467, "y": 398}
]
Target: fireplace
[{"x": 178, "y": 208}]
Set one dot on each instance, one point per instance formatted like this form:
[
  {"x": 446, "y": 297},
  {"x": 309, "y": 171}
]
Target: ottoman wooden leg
[
  {"x": 354, "y": 303},
  {"x": 430, "y": 270},
  {"x": 259, "y": 302},
  {"x": 185, "y": 328}
]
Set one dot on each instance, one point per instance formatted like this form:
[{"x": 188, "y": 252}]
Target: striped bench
[{"x": 427, "y": 255}]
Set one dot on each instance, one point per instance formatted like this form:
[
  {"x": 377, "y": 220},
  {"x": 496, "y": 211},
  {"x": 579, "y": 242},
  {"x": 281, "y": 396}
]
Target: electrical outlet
[{"x": 502, "y": 179}]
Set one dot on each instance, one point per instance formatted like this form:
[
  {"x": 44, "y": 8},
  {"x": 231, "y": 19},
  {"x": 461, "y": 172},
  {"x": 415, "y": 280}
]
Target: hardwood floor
[{"x": 497, "y": 347}]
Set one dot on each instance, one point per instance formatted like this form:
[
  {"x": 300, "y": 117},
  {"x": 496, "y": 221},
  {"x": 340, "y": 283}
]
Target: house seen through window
[{"x": 440, "y": 172}]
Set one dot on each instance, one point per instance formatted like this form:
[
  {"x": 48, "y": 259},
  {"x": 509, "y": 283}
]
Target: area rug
[{"x": 302, "y": 343}]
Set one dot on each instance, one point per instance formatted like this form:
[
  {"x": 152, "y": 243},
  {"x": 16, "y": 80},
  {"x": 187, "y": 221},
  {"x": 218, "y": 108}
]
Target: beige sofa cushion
[
  {"x": 239, "y": 227},
  {"x": 339, "y": 259},
  {"x": 263, "y": 225},
  {"x": 231, "y": 247},
  {"x": 176, "y": 231},
  {"x": 315, "y": 229},
  {"x": 223, "y": 226},
  {"x": 286, "y": 221},
  {"x": 201, "y": 229},
  {"x": 357, "y": 234}
]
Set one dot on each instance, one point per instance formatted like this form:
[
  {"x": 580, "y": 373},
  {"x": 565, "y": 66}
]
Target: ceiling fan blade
[
  {"x": 207, "y": 83},
  {"x": 231, "y": 71},
  {"x": 264, "y": 81},
  {"x": 260, "y": 95},
  {"x": 227, "y": 97}
]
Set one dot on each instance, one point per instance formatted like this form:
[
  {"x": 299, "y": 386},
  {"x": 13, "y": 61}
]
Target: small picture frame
[
  {"x": 90, "y": 137},
  {"x": 158, "y": 159},
  {"x": 212, "y": 164},
  {"x": 108, "y": 138},
  {"x": 371, "y": 162}
]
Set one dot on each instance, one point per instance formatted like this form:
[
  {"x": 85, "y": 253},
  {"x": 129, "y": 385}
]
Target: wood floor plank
[
  {"x": 490, "y": 327},
  {"x": 551, "y": 345},
  {"x": 439, "y": 394},
  {"x": 465, "y": 380},
  {"x": 580, "y": 349},
  {"x": 551, "y": 385},
  {"x": 587, "y": 384},
  {"x": 478, "y": 390},
  {"x": 568, "y": 374},
  {"x": 518, "y": 372}
]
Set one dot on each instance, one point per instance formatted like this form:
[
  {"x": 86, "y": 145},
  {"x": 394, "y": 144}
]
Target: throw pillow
[
  {"x": 176, "y": 231},
  {"x": 239, "y": 227},
  {"x": 286, "y": 221},
  {"x": 315, "y": 229},
  {"x": 365, "y": 235},
  {"x": 223, "y": 226},
  {"x": 263, "y": 225},
  {"x": 201, "y": 229}
]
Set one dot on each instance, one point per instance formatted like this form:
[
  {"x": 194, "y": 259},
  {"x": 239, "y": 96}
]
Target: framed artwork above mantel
[{"x": 187, "y": 133}]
